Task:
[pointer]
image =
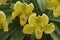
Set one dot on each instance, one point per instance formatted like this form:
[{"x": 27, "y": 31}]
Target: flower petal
[
  {"x": 23, "y": 19},
  {"x": 32, "y": 19},
  {"x": 2, "y": 15},
  {"x": 5, "y": 26},
  {"x": 56, "y": 12},
  {"x": 49, "y": 28},
  {"x": 29, "y": 9},
  {"x": 14, "y": 15},
  {"x": 28, "y": 29},
  {"x": 43, "y": 20},
  {"x": 20, "y": 6},
  {"x": 38, "y": 33}
]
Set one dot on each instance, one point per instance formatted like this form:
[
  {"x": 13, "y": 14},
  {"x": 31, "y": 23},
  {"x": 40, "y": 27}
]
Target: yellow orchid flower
[
  {"x": 52, "y": 4},
  {"x": 23, "y": 10},
  {"x": 38, "y": 25},
  {"x": 2, "y": 2},
  {"x": 56, "y": 12},
  {"x": 3, "y": 21}
]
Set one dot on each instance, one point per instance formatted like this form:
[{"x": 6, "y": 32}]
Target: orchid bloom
[
  {"x": 38, "y": 25},
  {"x": 23, "y": 10},
  {"x": 3, "y": 21}
]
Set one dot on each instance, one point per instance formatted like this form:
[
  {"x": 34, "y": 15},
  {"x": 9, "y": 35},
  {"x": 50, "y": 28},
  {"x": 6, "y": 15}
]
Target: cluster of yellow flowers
[
  {"x": 53, "y": 5},
  {"x": 36, "y": 24}
]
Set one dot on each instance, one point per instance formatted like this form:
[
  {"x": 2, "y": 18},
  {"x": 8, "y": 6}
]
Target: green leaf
[
  {"x": 27, "y": 1},
  {"x": 4, "y": 35},
  {"x": 42, "y": 5},
  {"x": 20, "y": 36},
  {"x": 57, "y": 29},
  {"x": 54, "y": 36},
  {"x": 32, "y": 37}
]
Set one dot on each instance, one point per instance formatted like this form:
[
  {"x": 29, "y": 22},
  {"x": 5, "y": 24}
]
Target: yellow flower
[
  {"x": 3, "y": 21},
  {"x": 23, "y": 10},
  {"x": 2, "y": 2},
  {"x": 38, "y": 25},
  {"x": 56, "y": 12},
  {"x": 52, "y": 4}
]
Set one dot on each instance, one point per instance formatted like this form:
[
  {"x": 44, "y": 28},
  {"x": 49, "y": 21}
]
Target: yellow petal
[
  {"x": 42, "y": 20},
  {"x": 2, "y": 16},
  {"x": 45, "y": 19},
  {"x": 28, "y": 29},
  {"x": 49, "y": 28},
  {"x": 32, "y": 19},
  {"x": 56, "y": 12},
  {"x": 23, "y": 19},
  {"x": 51, "y": 4},
  {"x": 20, "y": 6},
  {"x": 5, "y": 26},
  {"x": 3, "y": 21},
  {"x": 29, "y": 9},
  {"x": 38, "y": 33},
  {"x": 14, "y": 15}
]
